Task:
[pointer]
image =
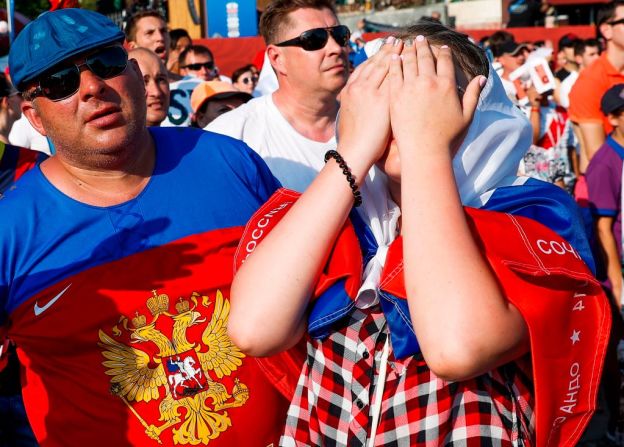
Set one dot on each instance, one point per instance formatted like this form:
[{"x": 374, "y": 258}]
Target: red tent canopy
[{"x": 232, "y": 53}]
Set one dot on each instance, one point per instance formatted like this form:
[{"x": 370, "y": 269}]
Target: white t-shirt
[
  {"x": 23, "y": 134},
  {"x": 293, "y": 159},
  {"x": 565, "y": 87}
]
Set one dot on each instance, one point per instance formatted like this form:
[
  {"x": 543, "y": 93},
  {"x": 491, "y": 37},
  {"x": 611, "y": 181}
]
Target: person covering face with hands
[{"x": 403, "y": 335}]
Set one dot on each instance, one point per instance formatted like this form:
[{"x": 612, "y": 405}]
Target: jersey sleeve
[{"x": 246, "y": 165}]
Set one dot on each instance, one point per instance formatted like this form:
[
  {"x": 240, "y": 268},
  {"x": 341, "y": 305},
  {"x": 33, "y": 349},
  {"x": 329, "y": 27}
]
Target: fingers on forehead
[
  {"x": 395, "y": 72},
  {"x": 410, "y": 65},
  {"x": 445, "y": 66},
  {"x": 424, "y": 55},
  {"x": 380, "y": 60}
]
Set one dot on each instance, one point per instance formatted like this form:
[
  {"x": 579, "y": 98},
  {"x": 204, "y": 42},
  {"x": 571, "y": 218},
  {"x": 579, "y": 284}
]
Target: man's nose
[
  {"x": 90, "y": 84},
  {"x": 333, "y": 46},
  {"x": 151, "y": 88}
]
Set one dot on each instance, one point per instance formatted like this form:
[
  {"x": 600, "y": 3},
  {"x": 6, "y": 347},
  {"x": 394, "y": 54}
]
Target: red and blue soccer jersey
[{"x": 119, "y": 313}]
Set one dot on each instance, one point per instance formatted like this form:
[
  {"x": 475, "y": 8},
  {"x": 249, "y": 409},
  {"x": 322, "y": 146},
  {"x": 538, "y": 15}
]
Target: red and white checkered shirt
[{"x": 333, "y": 399}]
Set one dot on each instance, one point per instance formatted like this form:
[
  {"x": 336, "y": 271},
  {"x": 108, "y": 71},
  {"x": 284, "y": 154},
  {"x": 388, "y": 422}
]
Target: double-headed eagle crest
[{"x": 179, "y": 372}]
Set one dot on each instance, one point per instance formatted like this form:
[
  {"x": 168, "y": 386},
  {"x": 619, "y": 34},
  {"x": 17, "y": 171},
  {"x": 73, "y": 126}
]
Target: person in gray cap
[{"x": 116, "y": 258}]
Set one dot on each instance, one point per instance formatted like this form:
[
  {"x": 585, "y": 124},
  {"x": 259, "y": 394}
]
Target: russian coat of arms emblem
[{"x": 180, "y": 373}]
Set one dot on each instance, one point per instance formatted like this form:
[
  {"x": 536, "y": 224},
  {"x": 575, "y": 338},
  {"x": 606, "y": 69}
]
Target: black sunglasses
[
  {"x": 63, "y": 81},
  {"x": 199, "y": 66},
  {"x": 249, "y": 80},
  {"x": 315, "y": 39},
  {"x": 616, "y": 22}
]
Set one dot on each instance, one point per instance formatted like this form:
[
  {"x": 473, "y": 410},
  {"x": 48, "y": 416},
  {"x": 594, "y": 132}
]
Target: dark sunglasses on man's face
[
  {"x": 199, "y": 66},
  {"x": 63, "y": 81},
  {"x": 315, "y": 39},
  {"x": 616, "y": 22}
]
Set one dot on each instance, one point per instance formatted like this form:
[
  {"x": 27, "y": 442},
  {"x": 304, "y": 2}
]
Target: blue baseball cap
[{"x": 55, "y": 36}]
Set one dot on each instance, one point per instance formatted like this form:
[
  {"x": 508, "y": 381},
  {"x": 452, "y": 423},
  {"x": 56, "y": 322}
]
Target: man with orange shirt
[{"x": 596, "y": 79}]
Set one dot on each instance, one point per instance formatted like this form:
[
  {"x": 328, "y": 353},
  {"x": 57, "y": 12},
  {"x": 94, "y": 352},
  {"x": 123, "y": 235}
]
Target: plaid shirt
[{"x": 332, "y": 402}]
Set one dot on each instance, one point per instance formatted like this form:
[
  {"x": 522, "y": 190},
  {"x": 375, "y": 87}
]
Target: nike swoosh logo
[{"x": 40, "y": 310}]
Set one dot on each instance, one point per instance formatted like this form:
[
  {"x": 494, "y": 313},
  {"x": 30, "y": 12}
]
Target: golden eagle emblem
[{"x": 182, "y": 372}]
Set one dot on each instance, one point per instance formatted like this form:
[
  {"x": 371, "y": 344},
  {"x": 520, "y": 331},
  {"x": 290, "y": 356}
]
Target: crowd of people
[{"x": 415, "y": 240}]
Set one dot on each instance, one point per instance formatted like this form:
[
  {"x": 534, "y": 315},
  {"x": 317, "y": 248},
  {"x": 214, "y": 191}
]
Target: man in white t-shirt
[{"x": 293, "y": 127}]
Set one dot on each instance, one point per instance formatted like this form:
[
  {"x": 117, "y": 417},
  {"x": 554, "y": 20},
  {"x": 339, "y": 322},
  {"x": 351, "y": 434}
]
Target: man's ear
[
  {"x": 33, "y": 117},
  {"x": 132, "y": 44},
  {"x": 606, "y": 30},
  {"x": 276, "y": 58}
]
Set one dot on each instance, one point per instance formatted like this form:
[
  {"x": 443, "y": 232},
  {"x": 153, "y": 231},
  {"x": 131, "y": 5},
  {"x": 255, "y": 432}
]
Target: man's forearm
[{"x": 594, "y": 136}]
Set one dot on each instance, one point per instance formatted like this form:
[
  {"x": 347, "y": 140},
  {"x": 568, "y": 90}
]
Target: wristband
[
  {"x": 347, "y": 172},
  {"x": 535, "y": 109}
]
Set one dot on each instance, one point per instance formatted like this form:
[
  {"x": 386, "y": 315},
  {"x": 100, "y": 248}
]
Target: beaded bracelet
[{"x": 347, "y": 172}]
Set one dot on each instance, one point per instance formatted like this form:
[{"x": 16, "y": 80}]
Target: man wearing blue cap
[{"x": 116, "y": 258}]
